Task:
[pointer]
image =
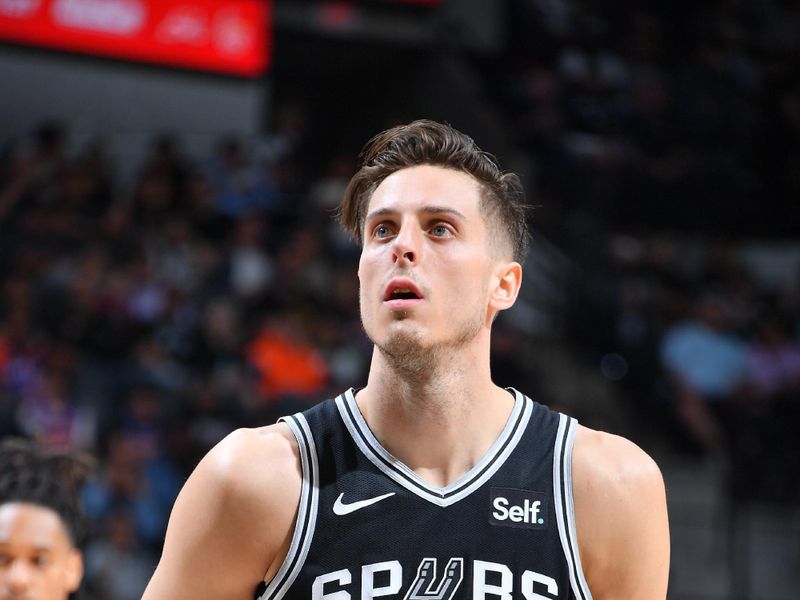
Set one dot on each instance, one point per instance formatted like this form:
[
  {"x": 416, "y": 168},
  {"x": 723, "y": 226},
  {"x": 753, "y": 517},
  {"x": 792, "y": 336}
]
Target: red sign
[{"x": 222, "y": 36}]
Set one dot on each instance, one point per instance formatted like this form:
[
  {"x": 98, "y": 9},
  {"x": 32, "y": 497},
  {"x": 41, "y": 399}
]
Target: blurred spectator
[
  {"x": 773, "y": 365},
  {"x": 124, "y": 486},
  {"x": 241, "y": 186},
  {"x": 42, "y": 521},
  {"x": 702, "y": 353},
  {"x": 289, "y": 366},
  {"x": 706, "y": 364},
  {"x": 251, "y": 270},
  {"x": 154, "y": 197},
  {"x": 116, "y": 566}
]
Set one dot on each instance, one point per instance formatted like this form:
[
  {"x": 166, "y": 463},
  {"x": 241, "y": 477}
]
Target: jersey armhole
[
  {"x": 306, "y": 511},
  {"x": 564, "y": 505}
]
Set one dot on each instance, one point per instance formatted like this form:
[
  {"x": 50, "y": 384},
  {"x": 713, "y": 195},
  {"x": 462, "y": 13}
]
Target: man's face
[
  {"x": 425, "y": 269},
  {"x": 37, "y": 560}
]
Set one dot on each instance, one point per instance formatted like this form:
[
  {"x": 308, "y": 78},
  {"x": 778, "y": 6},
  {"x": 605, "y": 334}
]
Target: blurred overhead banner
[{"x": 222, "y": 36}]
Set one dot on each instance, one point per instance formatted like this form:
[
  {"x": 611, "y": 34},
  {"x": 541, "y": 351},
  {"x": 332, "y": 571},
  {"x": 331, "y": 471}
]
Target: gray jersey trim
[
  {"x": 400, "y": 473},
  {"x": 306, "y": 511},
  {"x": 565, "y": 509}
]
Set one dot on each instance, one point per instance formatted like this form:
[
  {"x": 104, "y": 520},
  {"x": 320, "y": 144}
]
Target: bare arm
[
  {"x": 621, "y": 516},
  {"x": 232, "y": 521}
]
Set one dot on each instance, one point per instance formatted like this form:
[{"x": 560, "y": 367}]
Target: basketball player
[
  {"x": 431, "y": 482},
  {"x": 41, "y": 522}
]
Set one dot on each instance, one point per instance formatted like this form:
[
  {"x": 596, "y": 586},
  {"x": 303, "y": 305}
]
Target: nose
[
  {"x": 18, "y": 576},
  {"x": 406, "y": 248}
]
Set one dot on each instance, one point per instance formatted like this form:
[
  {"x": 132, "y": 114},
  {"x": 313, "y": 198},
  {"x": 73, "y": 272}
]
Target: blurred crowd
[
  {"x": 703, "y": 336},
  {"x": 143, "y": 320},
  {"x": 660, "y": 138},
  {"x": 685, "y": 114}
]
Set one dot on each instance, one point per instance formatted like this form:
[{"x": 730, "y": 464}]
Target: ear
[
  {"x": 74, "y": 570},
  {"x": 507, "y": 281}
]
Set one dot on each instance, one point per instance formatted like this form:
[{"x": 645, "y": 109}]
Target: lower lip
[{"x": 403, "y": 303}]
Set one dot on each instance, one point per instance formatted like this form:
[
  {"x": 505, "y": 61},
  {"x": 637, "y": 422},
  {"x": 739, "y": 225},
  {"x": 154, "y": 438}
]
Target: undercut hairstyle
[
  {"x": 425, "y": 142},
  {"x": 51, "y": 479}
]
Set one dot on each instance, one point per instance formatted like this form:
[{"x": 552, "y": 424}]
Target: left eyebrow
[{"x": 438, "y": 210}]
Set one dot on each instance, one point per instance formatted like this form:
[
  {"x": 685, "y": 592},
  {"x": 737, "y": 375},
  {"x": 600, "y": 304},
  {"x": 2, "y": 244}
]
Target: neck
[{"x": 440, "y": 421}]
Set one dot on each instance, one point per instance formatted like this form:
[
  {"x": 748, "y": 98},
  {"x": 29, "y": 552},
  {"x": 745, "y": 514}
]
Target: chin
[
  {"x": 399, "y": 335},
  {"x": 406, "y": 350}
]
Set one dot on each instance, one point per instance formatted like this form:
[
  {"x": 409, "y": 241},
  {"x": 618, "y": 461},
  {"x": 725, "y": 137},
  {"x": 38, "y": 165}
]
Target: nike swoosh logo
[{"x": 340, "y": 508}]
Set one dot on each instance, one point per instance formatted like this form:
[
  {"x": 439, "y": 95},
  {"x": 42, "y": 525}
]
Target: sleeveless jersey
[{"x": 368, "y": 527}]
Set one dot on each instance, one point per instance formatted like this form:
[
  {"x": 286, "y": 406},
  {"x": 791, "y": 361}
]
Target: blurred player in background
[{"x": 41, "y": 521}]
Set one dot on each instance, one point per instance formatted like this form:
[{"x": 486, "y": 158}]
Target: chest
[{"x": 378, "y": 539}]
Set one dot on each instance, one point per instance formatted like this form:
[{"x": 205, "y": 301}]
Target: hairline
[{"x": 68, "y": 534}]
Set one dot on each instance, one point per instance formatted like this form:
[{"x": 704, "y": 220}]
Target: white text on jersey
[{"x": 532, "y": 585}]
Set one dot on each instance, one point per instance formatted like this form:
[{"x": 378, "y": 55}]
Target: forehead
[
  {"x": 31, "y": 526},
  {"x": 427, "y": 185}
]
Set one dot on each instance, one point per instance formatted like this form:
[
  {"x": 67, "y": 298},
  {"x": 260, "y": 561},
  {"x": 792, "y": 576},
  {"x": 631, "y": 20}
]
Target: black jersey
[{"x": 369, "y": 527}]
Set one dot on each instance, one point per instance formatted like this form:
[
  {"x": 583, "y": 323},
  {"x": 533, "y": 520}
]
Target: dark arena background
[{"x": 170, "y": 269}]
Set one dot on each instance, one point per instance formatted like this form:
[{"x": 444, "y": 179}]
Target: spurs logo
[{"x": 423, "y": 586}]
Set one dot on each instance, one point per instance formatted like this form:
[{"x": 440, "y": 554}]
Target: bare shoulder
[
  {"x": 253, "y": 473},
  {"x": 621, "y": 517},
  {"x": 232, "y": 521},
  {"x": 607, "y": 463},
  {"x": 238, "y": 462}
]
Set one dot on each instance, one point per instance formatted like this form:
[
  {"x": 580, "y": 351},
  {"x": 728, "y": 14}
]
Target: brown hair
[{"x": 426, "y": 142}]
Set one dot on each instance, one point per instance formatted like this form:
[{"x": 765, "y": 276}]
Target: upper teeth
[{"x": 402, "y": 290}]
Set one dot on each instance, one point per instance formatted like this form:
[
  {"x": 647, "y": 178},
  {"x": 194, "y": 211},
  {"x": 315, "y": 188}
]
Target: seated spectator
[
  {"x": 707, "y": 365},
  {"x": 116, "y": 564},
  {"x": 773, "y": 362},
  {"x": 241, "y": 187},
  {"x": 288, "y": 365}
]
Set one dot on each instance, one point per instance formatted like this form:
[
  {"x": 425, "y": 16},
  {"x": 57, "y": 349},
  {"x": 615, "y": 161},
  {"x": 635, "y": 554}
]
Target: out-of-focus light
[
  {"x": 229, "y": 36},
  {"x": 614, "y": 366}
]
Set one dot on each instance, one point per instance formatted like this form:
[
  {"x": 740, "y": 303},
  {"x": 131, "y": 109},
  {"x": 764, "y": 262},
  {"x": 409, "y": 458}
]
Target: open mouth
[
  {"x": 403, "y": 294},
  {"x": 401, "y": 290}
]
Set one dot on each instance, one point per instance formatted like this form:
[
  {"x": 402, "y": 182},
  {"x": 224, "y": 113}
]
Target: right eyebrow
[{"x": 381, "y": 212}]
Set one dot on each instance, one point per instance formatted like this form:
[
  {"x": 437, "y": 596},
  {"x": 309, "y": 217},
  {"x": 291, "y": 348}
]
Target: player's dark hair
[
  {"x": 47, "y": 478},
  {"x": 427, "y": 142}
]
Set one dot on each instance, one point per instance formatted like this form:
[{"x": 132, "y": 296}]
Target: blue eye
[
  {"x": 440, "y": 231},
  {"x": 382, "y": 231}
]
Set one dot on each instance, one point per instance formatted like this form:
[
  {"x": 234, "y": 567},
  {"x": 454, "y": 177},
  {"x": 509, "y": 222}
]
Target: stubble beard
[{"x": 408, "y": 354}]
